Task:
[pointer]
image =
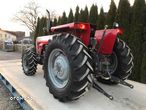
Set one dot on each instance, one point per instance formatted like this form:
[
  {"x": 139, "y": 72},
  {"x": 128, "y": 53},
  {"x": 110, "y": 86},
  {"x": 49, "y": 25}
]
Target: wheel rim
[
  {"x": 58, "y": 68},
  {"x": 25, "y": 63},
  {"x": 113, "y": 63}
]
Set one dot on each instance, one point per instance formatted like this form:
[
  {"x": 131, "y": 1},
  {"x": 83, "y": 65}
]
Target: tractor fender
[
  {"x": 108, "y": 41},
  {"x": 41, "y": 42}
]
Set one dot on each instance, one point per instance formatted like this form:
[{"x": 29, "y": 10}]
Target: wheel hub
[
  {"x": 58, "y": 68},
  {"x": 108, "y": 64}
]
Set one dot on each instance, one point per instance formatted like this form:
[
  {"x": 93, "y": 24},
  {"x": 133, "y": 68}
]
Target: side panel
[{"x": 108, "y": 41}]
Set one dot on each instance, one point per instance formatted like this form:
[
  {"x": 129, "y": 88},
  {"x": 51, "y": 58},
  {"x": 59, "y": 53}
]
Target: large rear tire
[
  {"x": 29, "y": 61},
  {"x": 124, "y": 66},
  {"x": 66, "y": 67}
]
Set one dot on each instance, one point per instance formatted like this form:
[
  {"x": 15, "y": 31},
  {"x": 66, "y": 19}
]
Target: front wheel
[
  {"x": 29, "y": 61},
  {"x": 121, "y": 62}
]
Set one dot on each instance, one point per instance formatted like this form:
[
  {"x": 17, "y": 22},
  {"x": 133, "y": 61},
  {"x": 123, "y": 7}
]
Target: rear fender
[{"x": 108, "y": 41}]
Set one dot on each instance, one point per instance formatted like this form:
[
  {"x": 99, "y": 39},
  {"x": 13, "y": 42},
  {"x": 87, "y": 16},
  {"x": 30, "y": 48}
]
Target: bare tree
[{"x": 28, "y": 15}]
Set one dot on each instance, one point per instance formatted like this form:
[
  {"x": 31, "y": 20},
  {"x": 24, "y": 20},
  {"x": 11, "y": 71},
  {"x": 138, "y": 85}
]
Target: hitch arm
[
  {"x": 122, "y": 82},
  {"x": 97, "y": 87},
  {"x": 115, "y": 79}
]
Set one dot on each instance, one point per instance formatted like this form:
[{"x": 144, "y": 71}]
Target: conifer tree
[
  {"x": 143, "y": 69},
  {"x": 81, "y": 16},
  {"x": 136, "y": 38},
  {"x": 76, "y": 16},
  {"x": 123, "y": 17},
  {"x": 85, "y": 14},
  {"x": 93, "y": 15},
  {"x": 64, "y": 18},
  {"x": 55, "y": 22},
  {"x": 111, "y": 15},
  {"x": 101, "y": 19},
  {"x": 59, "y": 21},
  {"x": 143, "y": 65},
  {"x": 43, "y": 24},
  {"x": 70, "y": 16}
]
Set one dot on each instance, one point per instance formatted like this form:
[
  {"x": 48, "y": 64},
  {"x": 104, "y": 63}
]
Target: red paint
[
  {"x": 39, "y": 46},
  {"x": 81, "y": 26},
  {"x": 108, "y": 41},
  {"x": 82, "y": 31},
  {"x": 41, "y": 42}
]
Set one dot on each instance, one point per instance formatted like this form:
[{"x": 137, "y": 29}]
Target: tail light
[{"x": 80, "y": 26}]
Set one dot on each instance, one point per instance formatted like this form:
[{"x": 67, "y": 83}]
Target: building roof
[
  {"x": 9, "y": 32},
  {"x": 18, "y": 34}
]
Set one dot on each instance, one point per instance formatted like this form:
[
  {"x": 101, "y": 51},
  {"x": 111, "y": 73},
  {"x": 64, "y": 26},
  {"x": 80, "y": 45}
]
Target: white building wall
[{"x": 7, "y": 36}]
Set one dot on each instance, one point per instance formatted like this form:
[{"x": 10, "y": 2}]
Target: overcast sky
[{"x": 8, "y": 8}]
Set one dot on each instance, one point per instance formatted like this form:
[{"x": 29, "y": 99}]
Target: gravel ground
[{"x": 5, "y": 102}]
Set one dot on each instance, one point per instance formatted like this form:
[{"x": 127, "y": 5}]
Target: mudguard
[
  {"x": 41, "y": 42},
  {"x": 108, "y": 41}
]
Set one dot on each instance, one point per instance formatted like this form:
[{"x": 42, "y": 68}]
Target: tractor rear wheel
[
  {"x": 121, "y": 62},
  {"x": 29, "y": 61},
  {"x": 66, "y": 67}
]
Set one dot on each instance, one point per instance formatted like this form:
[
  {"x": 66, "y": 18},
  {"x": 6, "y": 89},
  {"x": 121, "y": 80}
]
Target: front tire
[
  {"x": 66, "y": 67},
  {"x": 29, "y": 61},
  {"x": 124, "y": 66}
]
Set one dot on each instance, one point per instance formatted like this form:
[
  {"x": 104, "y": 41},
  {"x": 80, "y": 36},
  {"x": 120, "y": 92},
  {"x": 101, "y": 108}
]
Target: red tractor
[{"x": 76, "y": 55}]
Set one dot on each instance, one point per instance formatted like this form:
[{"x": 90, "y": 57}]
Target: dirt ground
[
  {"x": 5, "y": 95},
  {"x": 5, "y": 102}
]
